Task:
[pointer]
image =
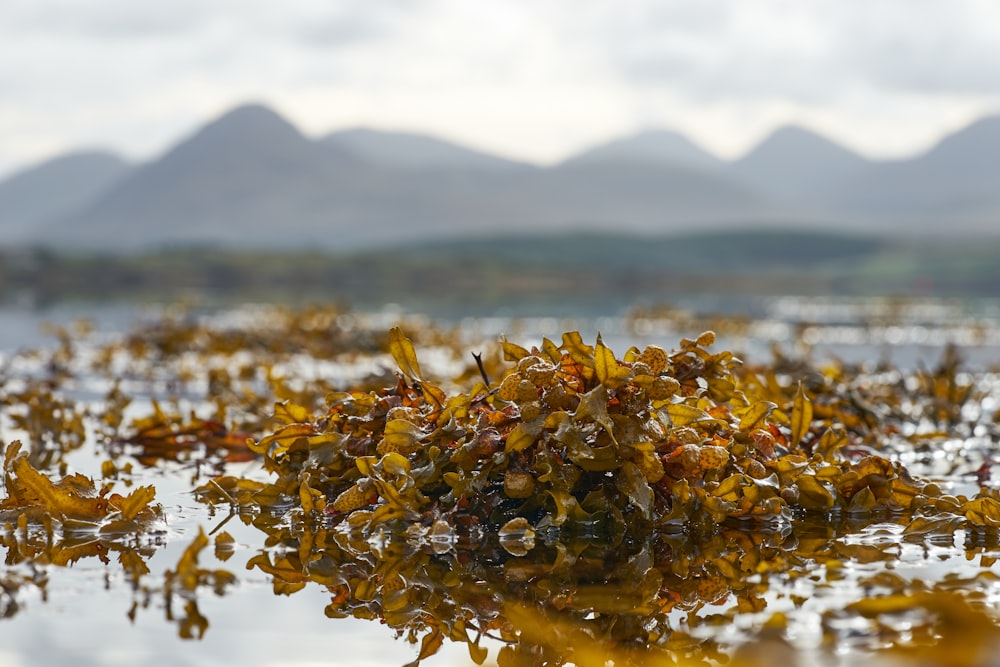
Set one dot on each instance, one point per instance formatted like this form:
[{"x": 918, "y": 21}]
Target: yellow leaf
[
  {"x": 402, "y": 351},
  {"x": 187, "y": 567},
  {"x": 871, "y": 607},
  {"x": 551, "y": 350},
  {"x": 133, "y": 564},
  {"x": 400, "y": 436},
  {"x": 291, "y": 413},
  {"x": 802, "y": 412},
  {"x": 812, "y": 494},
  {"x": 137, "y": 501},
  {"x": 477, "y": 653},
  {"x": 578, "y": 351},
  {"x": 11, "y": 453},
  {"x": 655, "y": 357},
  {"x": 682, "y": 414},
  {"x": 395, "y": 464},
  {"x": 831, "y": 442},
  {"x": 283, "y": 438},
  {"x": 609, "y": 372},
  {"x": 429, "y": 645},
  {"x": 54, "y": 499},
  {"x": 225, "y": 544},
  {"x": 512, "y": 352},
  {"x": 365, "y": 464},
  {"x": 982, "y": 511},
  {"x": 310, "y": 498},
  {"x": 730, "y": 487},
  {"x": 756, "y": 414},
  {"x": 524, "y": 435}
]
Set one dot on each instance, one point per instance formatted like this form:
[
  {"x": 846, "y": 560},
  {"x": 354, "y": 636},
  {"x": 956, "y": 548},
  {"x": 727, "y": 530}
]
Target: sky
[{"x": 535, "y": 80}]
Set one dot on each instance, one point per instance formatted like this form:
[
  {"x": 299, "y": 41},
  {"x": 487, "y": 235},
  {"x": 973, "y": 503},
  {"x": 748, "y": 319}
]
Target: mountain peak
[
  {"x": 795, "y": 164},
  {"x": 55, "y": 187},
  {"x": 971, "y": 148},
  {"x": 412, "y": 151},
  {"x": 247, "y": 133},
  {"x": 249, "y": 120},
  {"x": 655, "y": 146},
  {"x": 795, "y": 143}
]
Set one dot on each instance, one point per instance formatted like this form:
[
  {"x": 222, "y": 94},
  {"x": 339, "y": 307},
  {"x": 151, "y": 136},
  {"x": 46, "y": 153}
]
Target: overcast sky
[{"x": 532, "y": 79}]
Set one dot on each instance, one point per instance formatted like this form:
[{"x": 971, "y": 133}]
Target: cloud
[
  {"x": 100, "y": 20},
  {"x": 536, "y": 78},
  {"x": 809, "y": 52},
  {"x": 930, "y": 48}
]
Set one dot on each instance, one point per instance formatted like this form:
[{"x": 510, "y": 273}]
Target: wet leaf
[
  {"x": 812, "y": 494},
  {"x": 682, "y": 414},
  {"x": 755, "y": 414},
  {"x": 633, "y": 483},
  {"x": 524, "y": 435},
  {"x": 429, "y": 645},
  {"x": 609, "y": 372},
  {"x": 403, "y": 352},
  {"x": 225, "y": 545},
  {"x": 70, "y": 499},
  {"x": 187, "y": 571},
  {"x": 136, "y": 502},
  {"x": 477, "y": 653},
  {"x": 579, "y": 351},
  {"x": 310, "y": 499},
  {"x": 512, "y": 352},
  {"x": 801, "y": 417}
]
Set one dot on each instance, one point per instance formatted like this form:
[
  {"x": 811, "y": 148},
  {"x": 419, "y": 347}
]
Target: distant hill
[
  {"x": 250, "y": 179},
  {"x": 633, "y": 197},
  {"x": 956, "y": 180},
  {"x": 661, "y": 147},
  {"x": 413, "y": 151},
  {"x": 236, "y": 181},
  {"x": 55, "y": 188},
  {"x": 797, "y": 165}
]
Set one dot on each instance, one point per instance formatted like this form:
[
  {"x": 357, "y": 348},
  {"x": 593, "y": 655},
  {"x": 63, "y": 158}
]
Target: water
[
  {"x": 82, "y": 614},
  {"x": 90, "y": 614}
]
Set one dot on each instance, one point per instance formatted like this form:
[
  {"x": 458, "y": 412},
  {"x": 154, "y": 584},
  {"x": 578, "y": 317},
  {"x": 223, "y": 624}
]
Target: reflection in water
[{"x": 841, "y": 567}]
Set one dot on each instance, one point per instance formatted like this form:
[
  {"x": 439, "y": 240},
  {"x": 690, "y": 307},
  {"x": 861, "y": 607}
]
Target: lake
[{"x": 97, "y": 611}]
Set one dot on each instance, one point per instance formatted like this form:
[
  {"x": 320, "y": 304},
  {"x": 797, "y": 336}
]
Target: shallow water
[{"x": 82, "y": 614}]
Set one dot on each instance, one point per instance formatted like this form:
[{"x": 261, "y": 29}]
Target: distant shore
[{"x": 484, "y": 271}]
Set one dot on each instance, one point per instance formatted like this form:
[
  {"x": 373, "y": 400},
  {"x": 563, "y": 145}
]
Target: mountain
[
  {"x": 969, "y": 153},
  {"x": 798, "y": 166},
  {"x": 645, "y": 198},
  {"x": 956, "y": 180},
  {"x": 250, "y": 179},
  {"x": 54, "y": 188},
  {"x": 663, "y": 147},
  {"x": 237, "y": 180},
  {"x": 413, "y": 151}
]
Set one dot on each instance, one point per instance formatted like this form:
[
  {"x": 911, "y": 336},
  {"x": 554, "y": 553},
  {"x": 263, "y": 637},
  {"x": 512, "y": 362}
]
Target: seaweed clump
[
  {"x": 586, "y": 493},
  {"x": 572, "y": 438}
]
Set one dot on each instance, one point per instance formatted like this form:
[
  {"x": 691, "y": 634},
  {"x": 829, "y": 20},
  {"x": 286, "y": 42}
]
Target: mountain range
[{"x": 250, "y": 179}]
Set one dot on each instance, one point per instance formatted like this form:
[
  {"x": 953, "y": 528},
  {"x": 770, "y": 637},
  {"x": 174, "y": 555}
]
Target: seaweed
[{"x": 580, "y": 507}]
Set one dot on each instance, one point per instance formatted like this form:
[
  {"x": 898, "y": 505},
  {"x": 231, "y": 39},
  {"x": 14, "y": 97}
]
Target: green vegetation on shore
[{"x": 485, "y": 270}]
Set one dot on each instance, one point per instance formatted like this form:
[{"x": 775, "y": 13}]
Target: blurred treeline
[{"x": 489, "y": 273}]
